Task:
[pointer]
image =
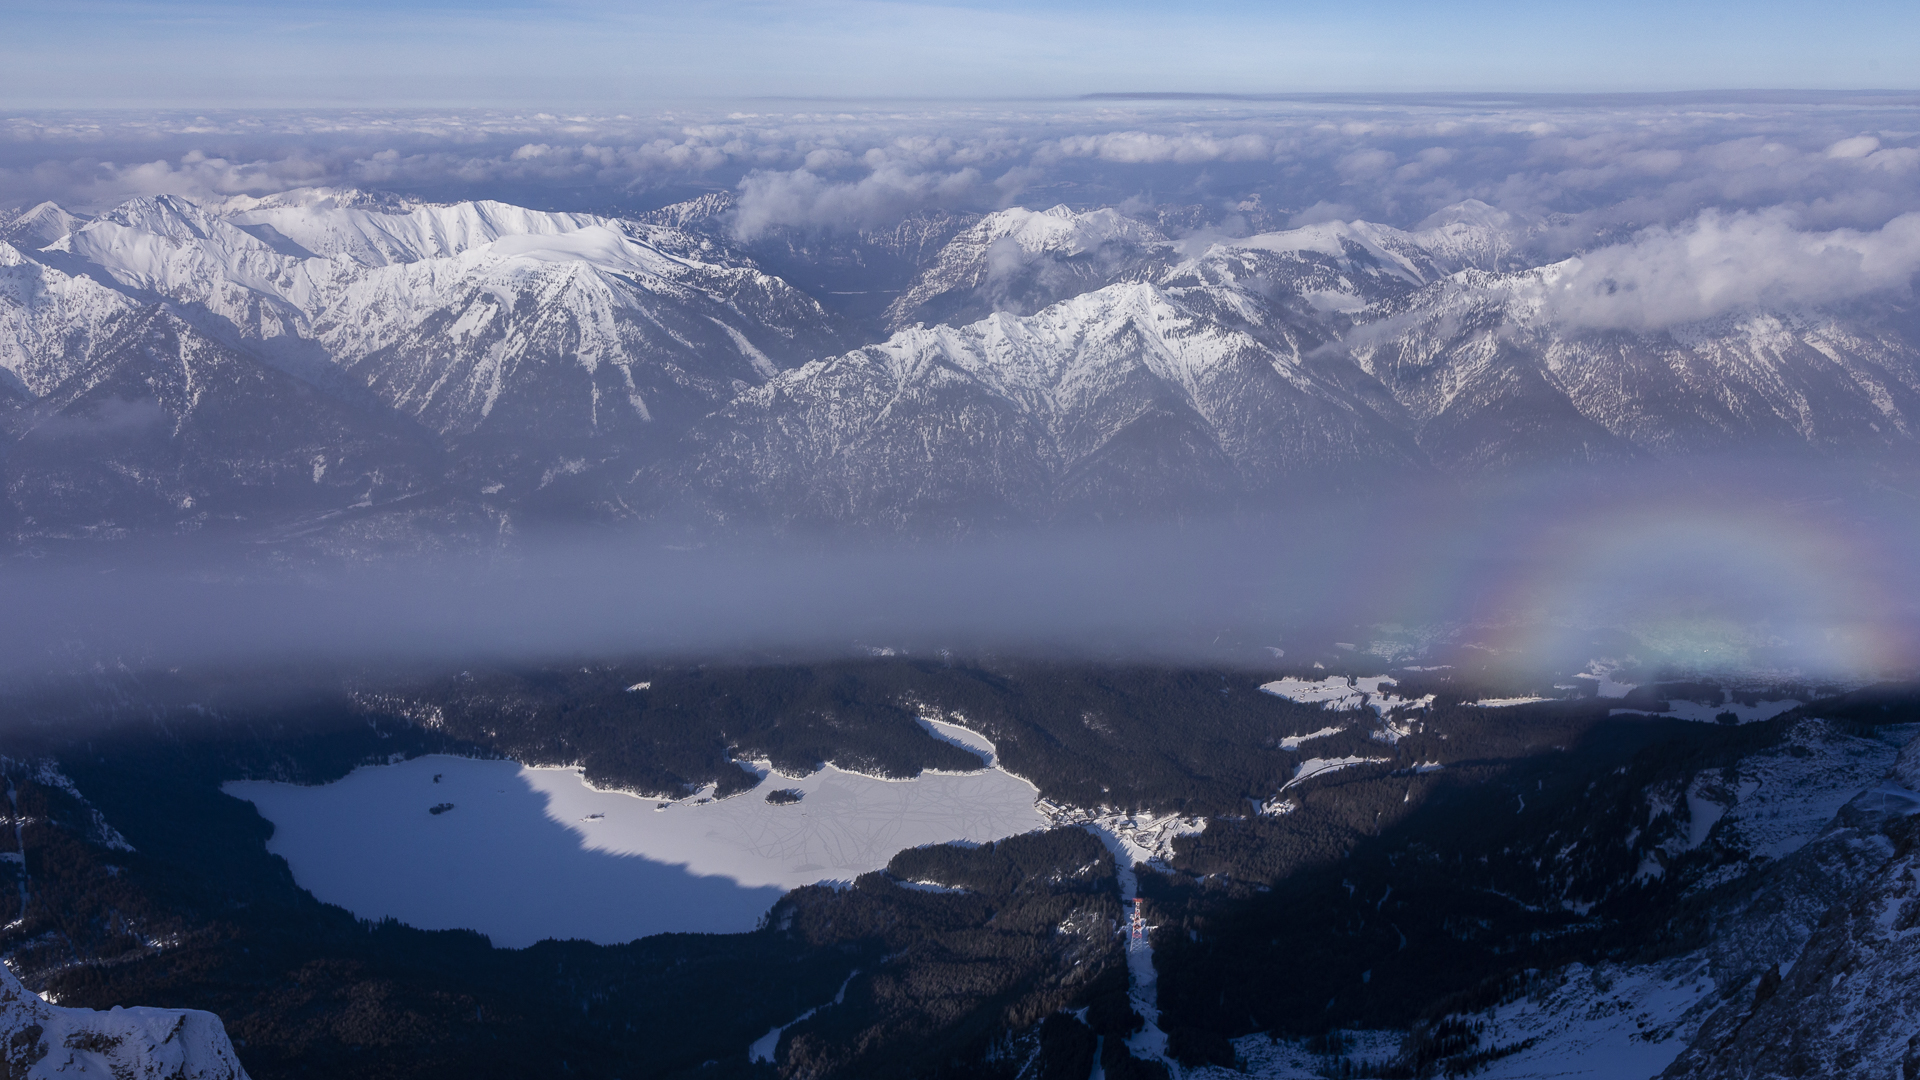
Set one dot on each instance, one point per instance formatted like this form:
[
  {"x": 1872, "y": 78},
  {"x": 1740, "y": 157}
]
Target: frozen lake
[{"x": 526, "y": 853}]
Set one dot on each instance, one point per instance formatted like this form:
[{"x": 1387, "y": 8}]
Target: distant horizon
[
  {"x": 1782, "y": 94},
  {"x": 570, "y": 53}
]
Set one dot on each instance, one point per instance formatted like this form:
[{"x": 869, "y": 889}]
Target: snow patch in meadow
[
  {"x": 1292, "y": 742},
  {"x": 529, "y": 853},
  {"x": 933, "y": 887},
  {"x": 964, "y": 738},
  {"x": 1343, "y": 694},
  {"x": 1348, "y": 695},
  {"x": 1313, "y": 767},
  {"x": 1132, "y": 838},
  {"x": 1334, "y": 693}
]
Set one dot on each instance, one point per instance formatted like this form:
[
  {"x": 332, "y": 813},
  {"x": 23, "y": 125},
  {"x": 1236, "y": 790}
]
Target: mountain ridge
[{"x": 1033, "y": 366}]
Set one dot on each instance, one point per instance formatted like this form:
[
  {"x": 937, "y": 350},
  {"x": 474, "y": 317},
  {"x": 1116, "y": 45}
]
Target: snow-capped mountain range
[{"x": 171, "y": 364}]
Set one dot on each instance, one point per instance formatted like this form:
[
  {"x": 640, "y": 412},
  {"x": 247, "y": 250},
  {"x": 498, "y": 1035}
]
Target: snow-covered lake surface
[{"x": 532, "y": 853}]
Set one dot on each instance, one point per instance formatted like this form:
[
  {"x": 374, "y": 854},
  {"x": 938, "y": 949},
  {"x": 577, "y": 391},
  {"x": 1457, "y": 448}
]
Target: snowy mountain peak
[
  {"x": 703, "y": 210},
  {"x": 383, "y": 236},
  {"x": 599, "y": 246},
  {"x": 1021, "y": 260},
  {"x": 168, "y": 216},
  {"x": 52, "y": 323},
  {"x": 1061, "y": 230},
  {"x": 322, "y": 198},
  {"x": 1472, "y": 234},
  {"x": 1470, "y": 213},
  {"x": 39, "y": 225},
  {"x": 1112, "y": 401},
  {"x": 1388, "y": 248}
]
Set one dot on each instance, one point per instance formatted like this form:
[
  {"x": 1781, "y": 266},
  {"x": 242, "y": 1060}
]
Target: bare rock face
[{"x": 40, "y": 1040}]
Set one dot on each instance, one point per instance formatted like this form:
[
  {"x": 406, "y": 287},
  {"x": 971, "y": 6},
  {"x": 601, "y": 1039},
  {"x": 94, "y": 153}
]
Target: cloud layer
[
  {"x": 1722, "y": 263},
  {"x": 1677, "y": 207}
]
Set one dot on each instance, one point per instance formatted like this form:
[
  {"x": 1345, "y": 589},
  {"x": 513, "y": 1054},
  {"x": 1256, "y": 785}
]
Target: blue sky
[{"x": 600, "y": 53}]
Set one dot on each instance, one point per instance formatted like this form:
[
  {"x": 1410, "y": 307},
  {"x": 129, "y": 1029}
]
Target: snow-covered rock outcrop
[{"x": 39, "y": 1041}]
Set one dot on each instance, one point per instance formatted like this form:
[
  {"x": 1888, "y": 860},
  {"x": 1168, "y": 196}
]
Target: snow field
[
  {"x": 1342, "y": 695},
  {"x": 1292, "y": 742},
  {"x": 1335, "y": 693},
  {"x": 1313, "y": 767}
]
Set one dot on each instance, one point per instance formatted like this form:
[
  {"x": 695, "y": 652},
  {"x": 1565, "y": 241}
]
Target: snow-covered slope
[
  {"x": 126, "y": 414},
  {"x": 1490, "y": 376},
  {"x": 333, "y": 227},
  {"x": 38, "y": 225},
  {"x": 1803, "y": 867},
  {"x": 39, "y": 1041},
  {"x": 470, "y": 316},
  {"x": 1447, "y": 334},
  {"x": 52, "y": 323},
  {"x": 1123, "y": 400},
  {"x": 155, "y": 423},
  {"x": 1021, "y": 260}
]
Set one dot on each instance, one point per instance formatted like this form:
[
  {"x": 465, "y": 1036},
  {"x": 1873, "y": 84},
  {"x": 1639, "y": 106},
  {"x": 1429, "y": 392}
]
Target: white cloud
[
  {"x": 1142, "y": 147},
  {"x": 1722, "y": 263},
  {"x": 1595, "y": 172},
  {"x": 1857, "y": 147},
  {"x": 1365, "y": 164},
  {"x": 803, "y": 199}
]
